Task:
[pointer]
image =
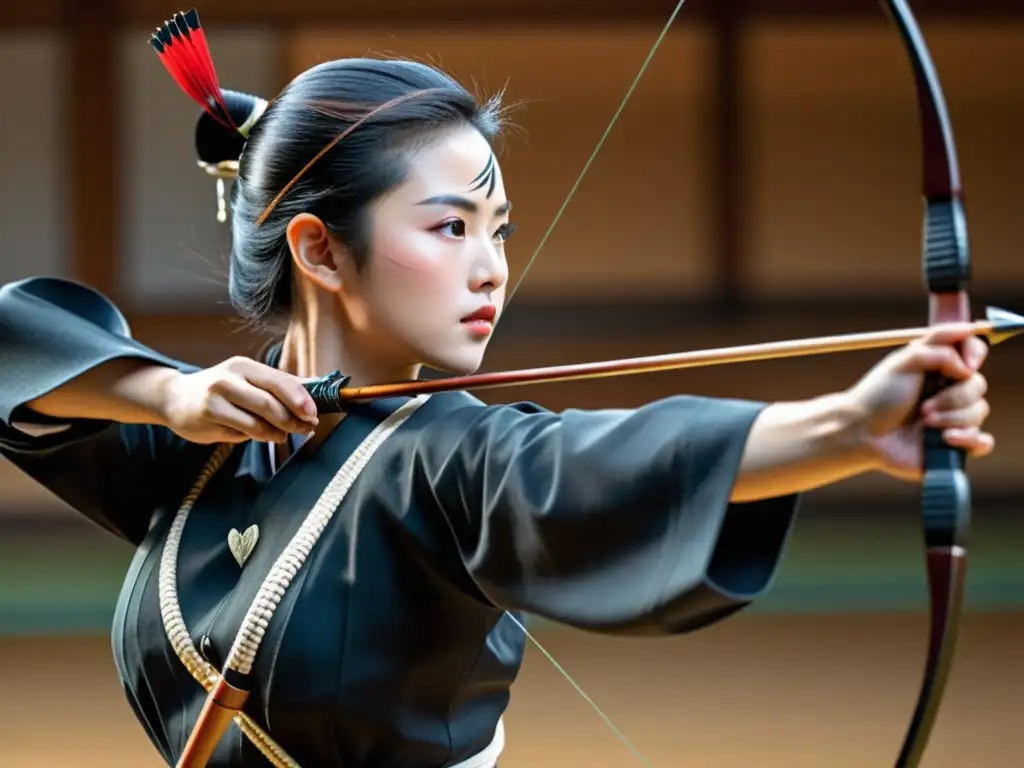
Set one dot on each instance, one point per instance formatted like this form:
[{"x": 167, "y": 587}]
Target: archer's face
[{"x": 436, "y": 279}]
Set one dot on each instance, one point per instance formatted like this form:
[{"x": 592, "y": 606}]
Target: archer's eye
[
  {"x": 504, "y": 232},
  {"x": 453, "y": 228}
]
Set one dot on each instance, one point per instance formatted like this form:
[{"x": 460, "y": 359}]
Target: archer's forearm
[
  {"x": 124, "y": 390},
  {"x": 795, "y": 447}
]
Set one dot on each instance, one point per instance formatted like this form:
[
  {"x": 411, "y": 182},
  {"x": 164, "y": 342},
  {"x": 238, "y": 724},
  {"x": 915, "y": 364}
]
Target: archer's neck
[{"x": 317, "y": 343}]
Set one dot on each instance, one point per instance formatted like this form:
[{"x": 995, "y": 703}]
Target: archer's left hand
[{"x": 888, "y": 400}]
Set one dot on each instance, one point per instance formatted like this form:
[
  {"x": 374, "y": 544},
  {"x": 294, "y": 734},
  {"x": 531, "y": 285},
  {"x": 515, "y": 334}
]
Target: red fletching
[{"x": 181, "y": 46}]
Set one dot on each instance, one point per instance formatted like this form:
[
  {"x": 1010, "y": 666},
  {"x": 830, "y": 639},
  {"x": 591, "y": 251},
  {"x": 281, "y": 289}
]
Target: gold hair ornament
[
  {"x": 225, "y": 169},
  {"x": 228, "y": 169}
]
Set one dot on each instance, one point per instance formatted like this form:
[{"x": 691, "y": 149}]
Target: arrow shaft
[{"x": 773, "y": 350}]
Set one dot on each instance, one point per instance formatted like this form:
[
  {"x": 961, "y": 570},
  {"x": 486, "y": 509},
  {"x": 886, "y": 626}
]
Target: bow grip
[{"x": 946, "y": 491}]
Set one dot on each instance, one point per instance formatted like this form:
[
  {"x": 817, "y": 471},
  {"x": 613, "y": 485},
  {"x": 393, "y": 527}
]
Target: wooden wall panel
[
  {"x": 641, "y": 223},
  {"x": 93, "y": 139},
  {"x": 174, "y": 249},
  {"x": 49, "y": 13},
  {"x": 34, "y": 196},
  {"x": 834, "y": 153},
  {"x": 22, "y": 18}
]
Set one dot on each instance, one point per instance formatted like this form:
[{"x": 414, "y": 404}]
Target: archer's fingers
[
  {"x": 213, "y": 433},
  {"x": 962, "y": 394},
  {"x": 975, "y": 352},
  {"x": 974, "y": 348},
  {"x": 286, "y": 388},
  {"x": 948, "y": 334},
  {"x": 971, "y": 417},
  {"x": 942, "y": 359},
  {"x": 264, "y": 405},
  {"x": 975, "y": 442},
  {"x": 226, "y": 414},
  {"x": 224, "y": 434}
]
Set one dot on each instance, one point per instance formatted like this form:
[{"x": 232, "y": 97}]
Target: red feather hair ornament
[{"x": 180, "y": 44}]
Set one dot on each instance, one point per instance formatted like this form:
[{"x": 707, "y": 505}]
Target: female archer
[{"x": 354, "y": 582}]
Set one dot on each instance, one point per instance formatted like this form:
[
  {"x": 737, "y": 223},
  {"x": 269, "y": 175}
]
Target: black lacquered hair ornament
[{"x": 326, "y": 390}]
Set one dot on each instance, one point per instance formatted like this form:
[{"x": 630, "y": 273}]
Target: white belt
[{"x": 487, "y": 758}]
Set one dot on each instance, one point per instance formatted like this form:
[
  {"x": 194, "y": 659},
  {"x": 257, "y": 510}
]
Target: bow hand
[{"x": 893, "y": 417}]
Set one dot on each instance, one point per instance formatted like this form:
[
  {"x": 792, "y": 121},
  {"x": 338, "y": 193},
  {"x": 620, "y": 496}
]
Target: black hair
[{"x": 335, "y": 140}]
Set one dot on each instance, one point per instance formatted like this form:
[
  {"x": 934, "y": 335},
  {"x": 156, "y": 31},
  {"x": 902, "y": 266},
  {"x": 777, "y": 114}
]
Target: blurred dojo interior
[{"x": 763, "y": 183}]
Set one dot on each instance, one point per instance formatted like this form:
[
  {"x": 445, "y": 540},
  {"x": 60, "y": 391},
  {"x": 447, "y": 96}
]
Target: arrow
[{"x": 330, "y": 392}]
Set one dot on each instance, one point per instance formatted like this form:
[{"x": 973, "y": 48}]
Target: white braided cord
[{"x": 246, "y": 645}]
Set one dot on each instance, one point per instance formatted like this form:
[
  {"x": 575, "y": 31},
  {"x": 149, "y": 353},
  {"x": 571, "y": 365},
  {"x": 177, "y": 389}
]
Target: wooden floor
[{"x": 800, "y": 692}]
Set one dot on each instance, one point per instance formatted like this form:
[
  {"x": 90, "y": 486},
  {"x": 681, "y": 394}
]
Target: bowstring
[
  {"x": 600, "y": 143},
  {"x": 543, "y": 241},
  {"x": 583, "y": 694}
]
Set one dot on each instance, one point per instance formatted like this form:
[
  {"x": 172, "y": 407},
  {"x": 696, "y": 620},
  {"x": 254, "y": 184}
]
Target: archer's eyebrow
[{"x": 464, "y": 203}]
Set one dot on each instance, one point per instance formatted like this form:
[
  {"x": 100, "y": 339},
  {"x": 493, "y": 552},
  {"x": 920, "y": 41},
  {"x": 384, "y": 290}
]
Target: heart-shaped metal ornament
[{"x": 242, "y": 544}]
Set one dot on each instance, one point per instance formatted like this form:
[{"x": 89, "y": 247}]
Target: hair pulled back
[
  {"x": 334, "y": 140},
  {"x": 363, "y": 115}
]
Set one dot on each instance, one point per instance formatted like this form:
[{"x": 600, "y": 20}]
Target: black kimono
[{"x": 392, "y": 646}]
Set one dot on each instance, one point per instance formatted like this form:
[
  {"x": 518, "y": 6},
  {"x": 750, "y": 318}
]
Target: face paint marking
[{"x": 486, "y": 177}]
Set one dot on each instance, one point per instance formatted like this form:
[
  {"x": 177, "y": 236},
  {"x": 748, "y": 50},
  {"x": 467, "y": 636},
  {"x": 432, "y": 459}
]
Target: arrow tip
[{"x": 1005, "y": 324}]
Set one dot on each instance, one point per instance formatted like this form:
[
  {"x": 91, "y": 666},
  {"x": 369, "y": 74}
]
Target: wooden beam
[
  {"x": 39, "y": 14},
  {"x": 929, "y": 10},
  {"x": 92, "y": 76},
  {"x": 463, "y": 12},
  {"x": 727, "y": 178},
  {"x": 149, "y": 13}
]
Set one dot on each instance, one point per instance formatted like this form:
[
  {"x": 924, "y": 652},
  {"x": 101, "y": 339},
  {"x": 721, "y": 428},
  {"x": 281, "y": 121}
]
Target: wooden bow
[{"x": 945, "y": 491}]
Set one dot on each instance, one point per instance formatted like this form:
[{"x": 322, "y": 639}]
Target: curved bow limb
[
  {"x": 945, "y": 494},
  {"x": 945, "y": 490}
]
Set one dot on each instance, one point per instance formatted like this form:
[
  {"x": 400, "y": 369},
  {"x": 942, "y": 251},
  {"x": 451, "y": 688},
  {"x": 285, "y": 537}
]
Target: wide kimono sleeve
[
  {"x": 51, "y": 331},
  {"x": 615, "y": 521}
]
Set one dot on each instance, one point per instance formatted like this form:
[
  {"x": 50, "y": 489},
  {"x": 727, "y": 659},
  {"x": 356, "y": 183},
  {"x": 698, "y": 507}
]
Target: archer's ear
[{"x": 315, "y": 253}]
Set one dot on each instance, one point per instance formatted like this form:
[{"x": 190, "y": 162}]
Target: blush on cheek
[
  {"x": 415, "y": 274},
  {"x": 407, "y": 255},
  {"x": 410, "y": 260}
]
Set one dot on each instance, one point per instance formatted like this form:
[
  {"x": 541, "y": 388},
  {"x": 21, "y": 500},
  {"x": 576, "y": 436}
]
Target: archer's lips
[
  {"x": 480, "y": 323},
  {"x": 484, "y": 314}
]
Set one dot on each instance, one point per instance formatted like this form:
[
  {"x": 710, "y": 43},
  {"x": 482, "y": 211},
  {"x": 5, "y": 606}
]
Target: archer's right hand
[{"x": 237, "y": 400}]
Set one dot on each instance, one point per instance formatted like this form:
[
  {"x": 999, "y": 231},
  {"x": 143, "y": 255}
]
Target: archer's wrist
[
  {"x": 146, "y": 391},
  {"x": 847, "y": 431}
]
